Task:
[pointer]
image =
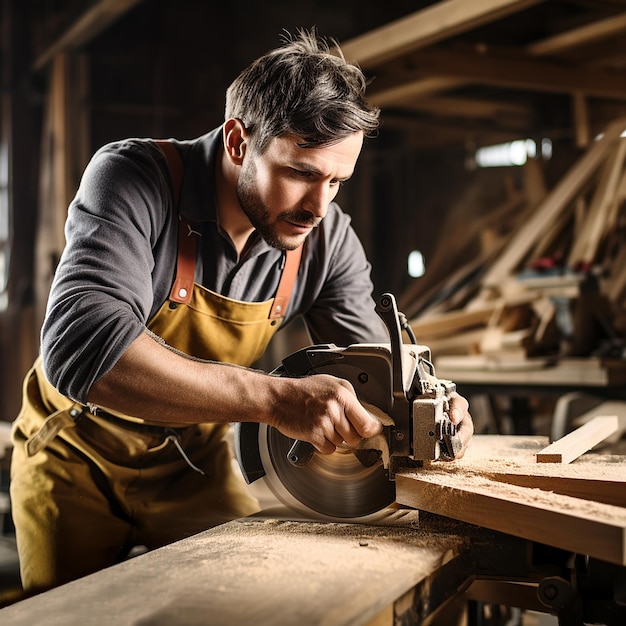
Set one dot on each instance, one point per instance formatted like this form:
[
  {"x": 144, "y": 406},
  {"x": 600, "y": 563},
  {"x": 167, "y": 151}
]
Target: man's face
[{"x": 285, "y": 192}]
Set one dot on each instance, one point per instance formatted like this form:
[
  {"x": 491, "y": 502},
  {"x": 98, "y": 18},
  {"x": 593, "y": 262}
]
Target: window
[{"x": 513, "y": 153}]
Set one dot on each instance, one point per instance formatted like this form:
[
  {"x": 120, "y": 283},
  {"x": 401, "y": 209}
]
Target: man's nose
[{"x": 317, "y": 200}]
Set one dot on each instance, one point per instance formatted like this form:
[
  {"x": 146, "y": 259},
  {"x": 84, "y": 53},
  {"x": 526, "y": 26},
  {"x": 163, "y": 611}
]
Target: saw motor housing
[{"x": 396, "y": 378}]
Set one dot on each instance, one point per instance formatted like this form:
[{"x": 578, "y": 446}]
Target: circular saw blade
[{"x": 333, "y": 486}]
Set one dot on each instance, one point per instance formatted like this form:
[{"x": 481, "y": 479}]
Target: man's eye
[{"x": 303, "y": 173}]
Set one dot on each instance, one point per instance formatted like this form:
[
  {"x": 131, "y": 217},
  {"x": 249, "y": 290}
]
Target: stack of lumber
[{"x": 554, "y": 284}]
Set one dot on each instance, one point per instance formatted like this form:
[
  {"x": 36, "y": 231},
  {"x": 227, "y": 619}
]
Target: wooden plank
[
  {"x": 435, "y": 23},
  {"x": 412, "y": 89},
  {"x": 590, "y": 528},
  {"x": 254, "y": 571},
  {"x": 452, "y": 321},
  {"x": 609, "y": 489},
  {"x": 581, "y": 119},
  {"x": 468, "y": 107},
  {"x": 498, "y": 485},
  {"x": 596, "y": 222},
  {"x": 579, "y": 441},
  {"x": 594, "y": 31},
  {"x": 615, "y": 283}
]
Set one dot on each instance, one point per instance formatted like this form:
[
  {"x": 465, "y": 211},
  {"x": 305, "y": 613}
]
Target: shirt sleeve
[{"x": 102, "y": 291}]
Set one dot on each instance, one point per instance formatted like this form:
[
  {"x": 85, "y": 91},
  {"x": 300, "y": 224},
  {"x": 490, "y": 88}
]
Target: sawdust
[
  {"x": 498, "y": 454},
  {"x": 596, "y": 470},
  {"x": 402, "y": 530}
]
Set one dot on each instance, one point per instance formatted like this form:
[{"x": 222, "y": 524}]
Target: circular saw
[{"x": 396, "y": 382}]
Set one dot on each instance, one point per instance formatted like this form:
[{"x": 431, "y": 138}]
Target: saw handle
[{"x": 300, "y": 453}]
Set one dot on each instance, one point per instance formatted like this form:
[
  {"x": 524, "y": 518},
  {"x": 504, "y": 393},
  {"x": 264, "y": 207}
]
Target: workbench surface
[{"x": 255, "y": 571}]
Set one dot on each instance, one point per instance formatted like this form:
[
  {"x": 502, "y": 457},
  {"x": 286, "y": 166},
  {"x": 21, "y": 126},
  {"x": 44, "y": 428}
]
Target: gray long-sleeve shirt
[{"x": 120, "y": 258}]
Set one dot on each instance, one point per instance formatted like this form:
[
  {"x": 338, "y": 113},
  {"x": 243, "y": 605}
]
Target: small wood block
[{"x": 580, "y": 440}]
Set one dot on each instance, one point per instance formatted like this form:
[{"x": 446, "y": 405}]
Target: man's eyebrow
[{"x": 307, "y": 167}]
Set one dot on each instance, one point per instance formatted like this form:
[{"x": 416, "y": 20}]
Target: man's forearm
[
  {"x": 157, "y": 384},
  {"x": 154, "y": 383}
]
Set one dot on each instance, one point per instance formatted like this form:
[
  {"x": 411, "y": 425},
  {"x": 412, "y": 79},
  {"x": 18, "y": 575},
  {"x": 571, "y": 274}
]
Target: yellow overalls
[{"x": 86, "y": 488}]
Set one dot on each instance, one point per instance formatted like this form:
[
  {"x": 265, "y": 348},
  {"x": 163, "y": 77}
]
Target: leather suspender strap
[
  {"x": 186, "y": 262},
  {"x": 175, "y": 165},
  {"x": 287, "y": 281}
]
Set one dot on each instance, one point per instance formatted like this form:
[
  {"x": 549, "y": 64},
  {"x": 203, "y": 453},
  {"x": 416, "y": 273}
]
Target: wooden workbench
[
  {"x": 257, "y": 571},
  {"x": 276, "y": 569}
]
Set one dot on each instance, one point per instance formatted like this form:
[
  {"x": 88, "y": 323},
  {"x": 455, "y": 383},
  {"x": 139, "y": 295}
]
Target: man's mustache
[{"x": 302, "y": 218}]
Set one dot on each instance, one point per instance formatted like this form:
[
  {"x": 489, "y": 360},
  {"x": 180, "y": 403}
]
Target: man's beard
[{"x": 259, "y": 215}]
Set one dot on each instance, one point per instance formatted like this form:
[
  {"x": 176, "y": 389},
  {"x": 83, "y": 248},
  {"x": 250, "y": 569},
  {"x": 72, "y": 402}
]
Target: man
[{"x": 147, "y": 343}]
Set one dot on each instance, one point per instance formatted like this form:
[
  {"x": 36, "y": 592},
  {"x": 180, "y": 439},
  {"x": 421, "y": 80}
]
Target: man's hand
[
  {"x": 461, "y": 418},
  {"x": 325, "y": 411}
]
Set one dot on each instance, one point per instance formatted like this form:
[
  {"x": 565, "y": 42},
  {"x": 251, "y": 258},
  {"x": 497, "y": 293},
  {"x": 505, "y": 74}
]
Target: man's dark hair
[{"x": 302, "y": 89}]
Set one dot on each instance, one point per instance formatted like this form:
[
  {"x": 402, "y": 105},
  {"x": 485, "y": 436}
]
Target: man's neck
[{"x": 230, "y": 215}]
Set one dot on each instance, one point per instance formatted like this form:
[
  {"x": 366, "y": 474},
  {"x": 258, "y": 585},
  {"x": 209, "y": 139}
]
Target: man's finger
[
  {"x": 459, "y": 408},
  {"x": 348, "y": 433},
  {"x": 367, "y": 425}
]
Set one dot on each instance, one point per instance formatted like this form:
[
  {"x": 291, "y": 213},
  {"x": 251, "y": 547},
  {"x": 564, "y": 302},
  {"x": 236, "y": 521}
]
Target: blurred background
[{"x": 486, "y": 106}]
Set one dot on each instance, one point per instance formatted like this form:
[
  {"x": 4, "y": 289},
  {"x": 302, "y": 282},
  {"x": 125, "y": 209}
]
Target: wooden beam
[
  {"x": 419, "y": 132},
  {"x": 538, "y": 372},
  {"x": 412, "y": 89},
  {"x": 467, "y": 107},
  {"x": 605, "y": 54},
  {"x": 502, "y": 71},
  {"x": 87, "y": 27},
  {"x": 506, "y": 593},
  {"x": 453, "y": 321},
  {"x": 423, "y": 28},
  {"x": 579, "y": 441},
  {"x": 597, "y": 220},
  {"x": 62, "y": 159},
  {"x": 589, "y": 33},
  {"x": 581, "y": 119}
]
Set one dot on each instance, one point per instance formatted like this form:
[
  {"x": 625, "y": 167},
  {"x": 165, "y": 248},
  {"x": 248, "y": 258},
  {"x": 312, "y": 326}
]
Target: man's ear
[{"x": 235, "y": 140}]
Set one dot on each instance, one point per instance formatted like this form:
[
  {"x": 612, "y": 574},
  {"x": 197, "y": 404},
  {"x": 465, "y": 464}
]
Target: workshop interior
[{"x": 492, "y": 207}]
